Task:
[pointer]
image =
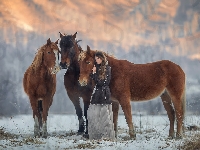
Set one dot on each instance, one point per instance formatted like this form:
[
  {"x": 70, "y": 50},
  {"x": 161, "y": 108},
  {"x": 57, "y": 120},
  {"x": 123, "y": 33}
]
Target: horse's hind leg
[
  {"x": 177, "y": 94},
  {"x": 179, "y": 103},
  {"x": 115, "y": 109},
  {"x": 170, "y": 112}
]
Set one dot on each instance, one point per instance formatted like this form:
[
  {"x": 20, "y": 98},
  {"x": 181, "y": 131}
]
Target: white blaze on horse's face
[{"x": 56, "y": 68}]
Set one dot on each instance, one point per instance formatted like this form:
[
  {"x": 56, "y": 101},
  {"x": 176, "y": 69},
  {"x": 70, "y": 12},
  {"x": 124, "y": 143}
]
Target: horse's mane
[
  {"x": 38, "y": 59},
  {"x": 83, "y": 54}
]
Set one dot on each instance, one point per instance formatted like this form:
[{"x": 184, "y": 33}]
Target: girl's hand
[{"x": 94, "y": 69}]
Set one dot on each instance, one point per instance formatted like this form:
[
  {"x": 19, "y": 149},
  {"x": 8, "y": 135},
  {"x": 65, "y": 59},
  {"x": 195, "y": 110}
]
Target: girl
[
  {"x": 100, "y": 115},
  {"x": 101, "y": 74}
]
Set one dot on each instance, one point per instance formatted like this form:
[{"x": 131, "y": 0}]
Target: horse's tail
[
  {"x": 184, "y": 106},
  {"x": 25, "y": 82}
]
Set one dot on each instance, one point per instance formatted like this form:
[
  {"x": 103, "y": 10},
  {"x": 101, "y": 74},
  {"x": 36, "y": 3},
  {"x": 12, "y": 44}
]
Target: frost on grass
[
  {"x": 6, "y": 135},
  {"x": 17, "y": 132}
]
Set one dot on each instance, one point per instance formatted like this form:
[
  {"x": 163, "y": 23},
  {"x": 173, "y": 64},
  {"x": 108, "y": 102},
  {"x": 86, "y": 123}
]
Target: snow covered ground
[{"x": 17, "y": 133}]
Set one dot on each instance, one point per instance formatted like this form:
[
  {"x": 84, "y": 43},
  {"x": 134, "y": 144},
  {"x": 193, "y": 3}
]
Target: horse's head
[
  {"x": 49, "y": 56},
  {"x": 86, "y": 63},
  {"x": 69, "y": 50}
]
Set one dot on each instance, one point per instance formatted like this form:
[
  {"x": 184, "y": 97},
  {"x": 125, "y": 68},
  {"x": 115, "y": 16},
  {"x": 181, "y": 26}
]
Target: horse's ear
[
  {"x": 74, "y": 36},
  {"x": 61, "y": 35},
  {"x": 88, "y": 49},
  {"x": 56, "y": 41},
  {"x": 48, "y": 41}
]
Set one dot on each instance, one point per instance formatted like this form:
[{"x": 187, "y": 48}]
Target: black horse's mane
[{"x": 67, "y": 41}]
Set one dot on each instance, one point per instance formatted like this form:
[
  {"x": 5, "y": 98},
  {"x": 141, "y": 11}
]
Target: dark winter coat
[{"x": 102, "y": 93}]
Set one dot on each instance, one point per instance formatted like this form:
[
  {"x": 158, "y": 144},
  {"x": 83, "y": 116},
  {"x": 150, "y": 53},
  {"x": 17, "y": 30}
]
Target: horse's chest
[{"x": 50, "y": 82}]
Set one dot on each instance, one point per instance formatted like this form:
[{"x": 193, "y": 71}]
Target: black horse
[{"x": 70, "y": 51}]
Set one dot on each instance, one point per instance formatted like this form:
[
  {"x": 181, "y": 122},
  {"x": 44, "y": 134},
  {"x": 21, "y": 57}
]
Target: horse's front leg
[
  {"x": 45, "y": 106},
  {"x": 126, "y": 107},
  {"x": 115, "y": 109},
  {"x": 75, "y": 100},
  {"x": 34, "y": 106},
  {"x": 86, "y": 106}
]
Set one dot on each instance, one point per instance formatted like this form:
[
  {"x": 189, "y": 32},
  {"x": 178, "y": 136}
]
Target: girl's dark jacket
[{"x": 102, "y": 93}]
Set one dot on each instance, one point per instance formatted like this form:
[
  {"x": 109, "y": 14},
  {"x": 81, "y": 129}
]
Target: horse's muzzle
[
  {"x": 55, "y": 69},
  {"x": 63, "y": 65},
  {"x": 83, "y": 82}
]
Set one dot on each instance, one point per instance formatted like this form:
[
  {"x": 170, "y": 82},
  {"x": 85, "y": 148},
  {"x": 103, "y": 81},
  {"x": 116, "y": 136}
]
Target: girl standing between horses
[{"x": 100, "y": 117}]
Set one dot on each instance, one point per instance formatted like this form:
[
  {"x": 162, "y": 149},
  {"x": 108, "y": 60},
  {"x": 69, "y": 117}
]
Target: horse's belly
[{"x": 146, "y": 94}]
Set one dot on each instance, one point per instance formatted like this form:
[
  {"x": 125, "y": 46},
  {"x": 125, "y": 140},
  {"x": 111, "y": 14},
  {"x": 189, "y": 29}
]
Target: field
[{"x": 16, "y": 132}]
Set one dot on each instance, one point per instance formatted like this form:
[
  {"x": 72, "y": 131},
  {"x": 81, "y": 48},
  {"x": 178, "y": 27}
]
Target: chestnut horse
[
  {"x": 70, "y": 51},
  {"x": 140, "y": 82},
  {"x": 40, "y": 84}
]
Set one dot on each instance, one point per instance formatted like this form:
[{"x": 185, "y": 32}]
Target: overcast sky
[{"x": 173, "y": 25}]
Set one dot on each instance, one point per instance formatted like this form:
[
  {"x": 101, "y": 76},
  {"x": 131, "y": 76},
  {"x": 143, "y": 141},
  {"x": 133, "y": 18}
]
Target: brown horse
[
  {"x": 140, "y": 82},
  {"x": 40, "y": 84},
  {"x": 70, "y": 51}
]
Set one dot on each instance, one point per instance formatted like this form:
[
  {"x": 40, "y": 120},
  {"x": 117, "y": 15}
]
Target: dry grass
[
  {"x": 85, "y": 146},
  {"x": 5, "y": 135},
  {"x": 191, "y": 144}
]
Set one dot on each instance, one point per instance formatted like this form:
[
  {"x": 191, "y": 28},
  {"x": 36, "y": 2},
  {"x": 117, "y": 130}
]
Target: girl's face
[{"x": 98, "y": 60}]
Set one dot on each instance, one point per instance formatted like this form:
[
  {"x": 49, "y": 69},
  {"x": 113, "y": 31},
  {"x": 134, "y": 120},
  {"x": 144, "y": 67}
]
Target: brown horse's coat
[
  {"x": 40, "y": 83},
  {"x": 139, "y": 82}
]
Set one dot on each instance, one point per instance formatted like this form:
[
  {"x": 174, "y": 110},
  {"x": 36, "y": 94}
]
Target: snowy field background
[{"x": 17, "y": 133}]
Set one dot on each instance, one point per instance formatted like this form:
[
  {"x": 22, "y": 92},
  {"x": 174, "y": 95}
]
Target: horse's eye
[
  {"x": 87, "y": 62},
  {"x": 49, "y": 52}
]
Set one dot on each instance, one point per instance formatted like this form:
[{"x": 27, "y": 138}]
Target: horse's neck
[
  {"x": 74, "y": 67},
  {"x": 110, "y": 61}
]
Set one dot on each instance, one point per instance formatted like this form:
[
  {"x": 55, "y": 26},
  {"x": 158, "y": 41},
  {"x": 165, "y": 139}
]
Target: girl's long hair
[{"x": 102, "y": 68}]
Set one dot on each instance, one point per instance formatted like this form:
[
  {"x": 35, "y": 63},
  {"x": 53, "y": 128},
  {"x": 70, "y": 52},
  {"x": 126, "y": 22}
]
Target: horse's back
[{"x": 146, "y": 81}]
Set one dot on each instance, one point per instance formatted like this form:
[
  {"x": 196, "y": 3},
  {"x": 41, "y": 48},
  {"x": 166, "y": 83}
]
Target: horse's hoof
[
  {"x": 44, "y": 136},
  {"x": 36, "y": 134},
  {"x": 86, "y": 136},
  {"x": 80, "y": 133},
  {"x": 132, "y": 134},
  {"x": 116, "y": 136},
  {"x": 178, "y": 137},
  {"x": 133, "y": 137},
  {"x": 170, "y": 137}
]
